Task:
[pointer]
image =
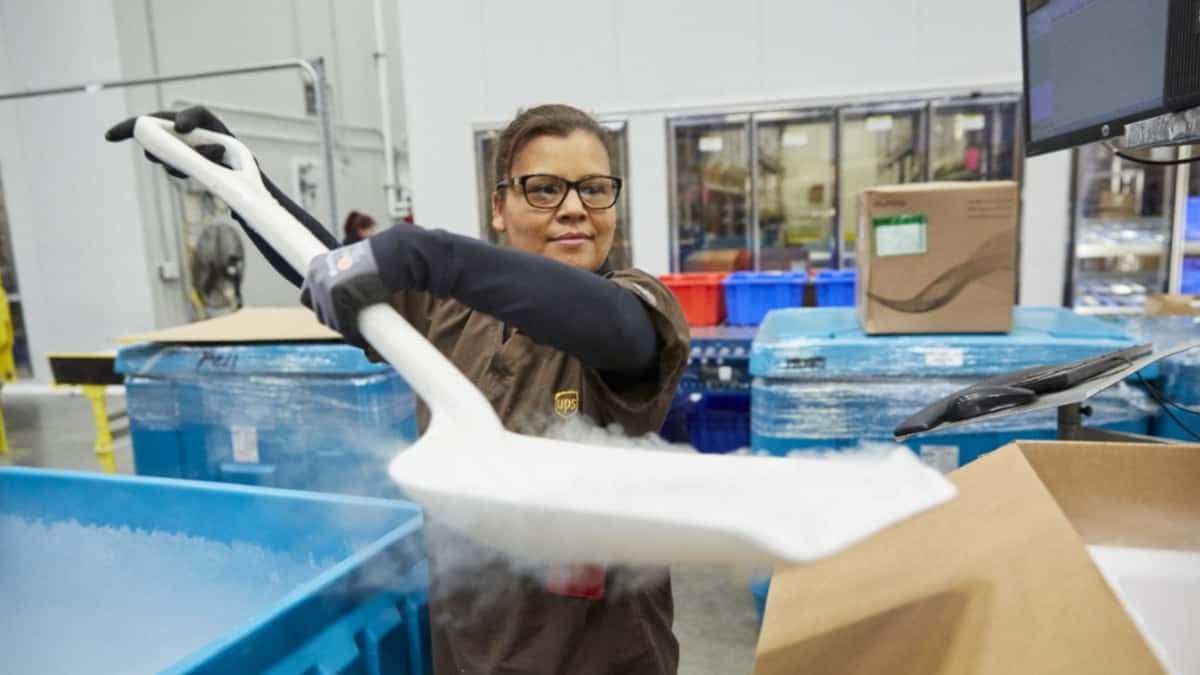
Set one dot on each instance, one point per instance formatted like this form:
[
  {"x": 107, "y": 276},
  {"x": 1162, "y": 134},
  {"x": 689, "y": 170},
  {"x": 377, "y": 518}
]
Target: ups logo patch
[{"x": 566, "y": 403}]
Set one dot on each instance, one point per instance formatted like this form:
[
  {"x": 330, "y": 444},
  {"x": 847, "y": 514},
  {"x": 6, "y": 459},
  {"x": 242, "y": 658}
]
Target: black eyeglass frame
[{"x": 519, "y": 181}]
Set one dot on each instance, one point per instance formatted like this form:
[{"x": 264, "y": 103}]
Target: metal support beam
[
  {"x": 321, "y": 98},
  {"x": 1183, "y": 174}
]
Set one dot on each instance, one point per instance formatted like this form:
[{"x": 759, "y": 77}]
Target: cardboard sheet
[
  {"x": 252, "y": 324},
  {"x": 998, "y": 580}
]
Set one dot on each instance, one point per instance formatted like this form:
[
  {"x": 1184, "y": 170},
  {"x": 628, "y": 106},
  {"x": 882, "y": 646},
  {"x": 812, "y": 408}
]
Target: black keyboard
[
  {"x": 1018, "y": 388},
  {"x": 1049, "y": 379}
]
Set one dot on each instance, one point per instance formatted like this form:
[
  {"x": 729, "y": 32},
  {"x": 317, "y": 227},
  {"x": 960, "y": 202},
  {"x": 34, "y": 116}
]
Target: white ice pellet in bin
[
  {"x": 86, "y": 599},
  {"x": 120, "y": 574}
]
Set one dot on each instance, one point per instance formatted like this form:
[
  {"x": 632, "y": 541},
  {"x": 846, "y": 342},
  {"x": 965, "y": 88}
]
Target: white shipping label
[
  {"x": 943, "y": 458},
  {"x": 794, "y": 139},
  {"x": 711, "y": 144},
  {"x": 245, "y": 444},
  {"x": 879, "y": 123},
  {"x": 969, "y": 122},
  {"x": 903, "y": 235},
  {"x": 944, "y": 357}
]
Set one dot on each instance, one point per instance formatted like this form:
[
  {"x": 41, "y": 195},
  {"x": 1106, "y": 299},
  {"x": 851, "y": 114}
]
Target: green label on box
[{"x": 899, "y": 235}]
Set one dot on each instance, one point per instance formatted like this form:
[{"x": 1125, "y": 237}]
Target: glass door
[
  {"x": 1122, "y": 230},
  {"x": 711, "y": 198},
  {"x": 877, "y": 145},
  {"x": 794, "y": 190},
  {"x": 974, "y": 139}
]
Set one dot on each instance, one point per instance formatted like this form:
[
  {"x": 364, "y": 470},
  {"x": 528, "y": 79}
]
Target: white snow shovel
[{"x": 570, "y": 502}]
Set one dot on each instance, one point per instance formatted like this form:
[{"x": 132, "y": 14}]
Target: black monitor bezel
[{"x": 1071, "y": 139}]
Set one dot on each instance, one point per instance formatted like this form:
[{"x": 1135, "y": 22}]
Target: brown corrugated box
[
  {"x": 1117, "y": 205},
  {"x": 1167, "y": 304},
  {"x": 997, "y": 581},
  {"x": 937, "y": 257}
]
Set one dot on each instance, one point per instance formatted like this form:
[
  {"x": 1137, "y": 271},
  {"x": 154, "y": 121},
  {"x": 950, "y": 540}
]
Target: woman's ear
[{"x": 498, "y": 212}]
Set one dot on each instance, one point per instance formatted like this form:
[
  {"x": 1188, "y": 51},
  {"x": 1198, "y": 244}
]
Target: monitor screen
[{"x": 1090, "y": 63}]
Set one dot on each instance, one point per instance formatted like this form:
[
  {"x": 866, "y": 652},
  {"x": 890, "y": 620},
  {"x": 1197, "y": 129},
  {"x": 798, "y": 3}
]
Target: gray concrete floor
[
  {"x": 57, "y": 431},
  {"x": 714, "y": 612}
]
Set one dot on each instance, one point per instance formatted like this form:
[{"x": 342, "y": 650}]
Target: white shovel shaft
[{"x": 444, "y": 389}]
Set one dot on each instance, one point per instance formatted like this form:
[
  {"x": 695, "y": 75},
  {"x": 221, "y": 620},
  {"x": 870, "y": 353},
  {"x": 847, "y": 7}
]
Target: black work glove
[
  {"x": 341, "y": 283},
  {"x": 199, "y": 117}
]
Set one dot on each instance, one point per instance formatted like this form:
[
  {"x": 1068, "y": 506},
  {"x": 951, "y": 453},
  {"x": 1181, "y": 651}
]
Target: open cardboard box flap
[
  {"x": 999, "y": 580},
  {"x": 252, "y": 324}
]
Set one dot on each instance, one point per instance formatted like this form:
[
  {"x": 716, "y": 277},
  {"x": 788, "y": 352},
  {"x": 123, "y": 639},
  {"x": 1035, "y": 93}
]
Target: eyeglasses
[{"x": 544, "y": 191}]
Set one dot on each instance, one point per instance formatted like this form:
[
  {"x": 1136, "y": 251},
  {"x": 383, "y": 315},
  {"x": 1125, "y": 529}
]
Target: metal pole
[
  {"x": 316, "y": 68},
  {"x": 93, "y": 87},
  {"x": 390, "y": 189},
  {"x": 924, "y": 140},
  {"x": 1179, "y": 222},
  {"x": 217, "y": 106},
  {"x": 836, "y": 260},
  {"x": 752, "y": 223},
  {"x": 1070, "y": 420},
  {"x": 673, "y": 191}
]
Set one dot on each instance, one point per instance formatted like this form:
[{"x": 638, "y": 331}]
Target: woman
[
  {"x": 547, "y": 331},
  {"x": 358, "y": 226}
]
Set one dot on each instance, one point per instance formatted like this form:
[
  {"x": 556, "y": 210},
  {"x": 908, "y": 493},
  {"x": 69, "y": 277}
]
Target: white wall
[
  {"x": 468, "y": 61},
  {"x": 76, "y": 226}
]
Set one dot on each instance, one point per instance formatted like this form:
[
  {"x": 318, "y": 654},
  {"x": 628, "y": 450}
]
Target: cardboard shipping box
[
  {"x": 1000, "y": 581},
  {"x": 1167, "y": 304},
  {"x": 937, "y": 257},
  {"x": 1117, "y": 205}
]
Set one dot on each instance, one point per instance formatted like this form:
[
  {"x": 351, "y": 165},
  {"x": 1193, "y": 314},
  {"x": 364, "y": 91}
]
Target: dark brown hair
[
  {"x": 355, "y": 223},
  {"x": 543, "y": 120}
]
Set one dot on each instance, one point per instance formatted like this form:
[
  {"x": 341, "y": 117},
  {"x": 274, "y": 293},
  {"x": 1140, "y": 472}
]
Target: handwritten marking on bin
[{"x": 210, "y": 359}]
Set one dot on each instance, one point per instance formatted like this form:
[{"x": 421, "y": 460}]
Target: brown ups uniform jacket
[{"x": 486, "y": 617}]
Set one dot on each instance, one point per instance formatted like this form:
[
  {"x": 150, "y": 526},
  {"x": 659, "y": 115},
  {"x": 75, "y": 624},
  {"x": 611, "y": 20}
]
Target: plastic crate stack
[
  {"x": 699, "y": 294},
  {"x": 835, "y": 288},
  {"x": 711, "y": 410},
  {"x": 712, "y": 406},
  {"x": 820, "y": 383},
  {"x": 750, "y": 295},
  {"x": 1176, "y": 378},
  {"x": 745, "y": 298},
  {"x": 305, "y": 416}
]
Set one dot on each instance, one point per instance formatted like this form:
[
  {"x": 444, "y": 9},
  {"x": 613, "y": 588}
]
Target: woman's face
[{"x": 572, "y": 233}]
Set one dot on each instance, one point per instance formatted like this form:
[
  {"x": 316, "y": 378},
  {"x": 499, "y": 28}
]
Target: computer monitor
[{"x": 1092, "y": 66}]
